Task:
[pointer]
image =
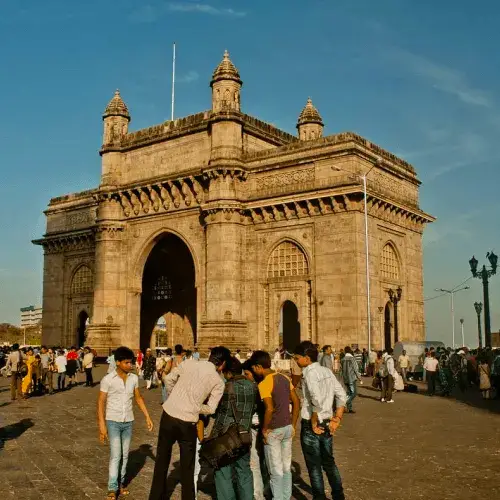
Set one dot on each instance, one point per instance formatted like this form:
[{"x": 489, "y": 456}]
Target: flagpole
[{"x": 173, "y": 83}]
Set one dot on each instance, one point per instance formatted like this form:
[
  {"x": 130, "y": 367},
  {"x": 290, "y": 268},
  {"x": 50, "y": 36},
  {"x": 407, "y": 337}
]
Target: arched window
[
  {"x": 83, "y": 281},
  {"x": 287, "y": 259},
  {"x": 389, "y": 265}
]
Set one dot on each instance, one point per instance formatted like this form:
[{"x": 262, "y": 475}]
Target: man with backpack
[
  {"x": 387, "y": 373},
  {"x": 15, "y": 363}
]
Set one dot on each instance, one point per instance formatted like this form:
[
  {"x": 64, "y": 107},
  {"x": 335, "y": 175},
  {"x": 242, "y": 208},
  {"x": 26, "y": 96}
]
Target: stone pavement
[{"x": 419, "y": 447}]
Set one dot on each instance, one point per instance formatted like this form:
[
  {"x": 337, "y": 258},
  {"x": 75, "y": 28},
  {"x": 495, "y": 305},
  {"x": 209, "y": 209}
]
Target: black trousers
[
  {"x": 174, "y": 430},
  {"x": 88, "y": 374},
  {"x": 431, "y": 382}
]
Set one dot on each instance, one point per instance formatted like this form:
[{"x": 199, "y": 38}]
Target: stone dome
[
  {"x": 309, "y": 114},
  {"x": 226, "y": 70},
  {"x": 117, "y": 107}
]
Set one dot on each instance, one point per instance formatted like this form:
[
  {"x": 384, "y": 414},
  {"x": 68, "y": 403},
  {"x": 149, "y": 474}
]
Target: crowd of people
[
  {"x": 264, "y": 405},
  {"x": 35, "y": 371}
]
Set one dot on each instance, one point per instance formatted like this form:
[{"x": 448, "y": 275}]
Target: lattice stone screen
[
  {"x": 390, "y": 264},
  {"x": 287, "y": 259},
  {"x": 83, "y": 281}
]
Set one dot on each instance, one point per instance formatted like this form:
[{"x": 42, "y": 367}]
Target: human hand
[
  {"x": 103, "y": 434},
  {"x": 334, "y": 425},
  {"x": 318, "y": 430},
  {"x": 264, "y": 436},
  {"x": 149, "y": 424},
  {"x": 293, "y": 432}
]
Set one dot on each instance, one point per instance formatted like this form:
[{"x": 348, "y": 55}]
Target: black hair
[
  {"x": 261, "y": 358},
  {"x": 347, "y": 350},
  {"x": 219, "y": 355},
  {"x": 169, "y": 351},
  {"x": 389, "y": 351},
  {"x": 123, "y": 353},
  {"x": 307, "y": 349},
  {"x": 326, "y": 347},
  {"x": 15, "y": 347},
  {"x": 246, "y": 366},
  {"x": 233, "y": 366},
  {"x": 178, "y": 349}
]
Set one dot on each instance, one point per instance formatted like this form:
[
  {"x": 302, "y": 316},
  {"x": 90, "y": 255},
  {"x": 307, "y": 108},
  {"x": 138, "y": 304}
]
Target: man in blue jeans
[
  {"x": 278, "y": 426},
  {"x": 351, "y": 375},
  {"x": 320, "y": 389},
  {"x": 116, "y": 416}
]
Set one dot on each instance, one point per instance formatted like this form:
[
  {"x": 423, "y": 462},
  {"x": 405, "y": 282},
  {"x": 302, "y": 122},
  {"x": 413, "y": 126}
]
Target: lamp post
[
  {"x": 395, "y": 297},
  {"x": 367, "y": 247},
  {"x": 478, "y": 306},
  {"x": 452, "y": 293},
  {"x": 484, "y": 276},
  {"x": 462, "y": 331}
]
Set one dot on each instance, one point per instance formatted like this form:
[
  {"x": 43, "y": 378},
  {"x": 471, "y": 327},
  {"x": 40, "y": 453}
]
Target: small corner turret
[
  {"x": 226, "y": 86},
  {"x": 116, "y": 119},
  {"x": 310, "y": 124}
]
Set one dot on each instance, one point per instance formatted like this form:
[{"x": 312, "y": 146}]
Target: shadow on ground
[{"x": 13, "y": 431}]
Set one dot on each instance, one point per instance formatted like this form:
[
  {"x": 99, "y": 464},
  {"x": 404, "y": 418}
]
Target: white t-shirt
[
  {"x": 404, "y": 361},
  {"x": 61, "y": 363},
  {"x": 431, "y": 364}
]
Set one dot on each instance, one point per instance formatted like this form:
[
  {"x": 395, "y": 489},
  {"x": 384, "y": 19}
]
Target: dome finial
[
  {"x": 309, "y": 114},
  {"x": 117, "y": 107},
  {"x": 226, "y": 70}
]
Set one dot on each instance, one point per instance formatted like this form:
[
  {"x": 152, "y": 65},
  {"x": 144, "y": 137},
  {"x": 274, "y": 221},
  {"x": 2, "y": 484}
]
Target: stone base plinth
[
  {"x": 103, "y": 338},
  {"x": 230, "y": 334}
]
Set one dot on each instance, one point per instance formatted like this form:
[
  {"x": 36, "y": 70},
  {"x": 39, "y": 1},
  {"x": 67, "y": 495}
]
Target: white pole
[
  {"x": 173, "y": 83},
  {"x": 368, "y": 308},
  {"x": 452, "y": 319},
  {"x": 462, "y": 328}
]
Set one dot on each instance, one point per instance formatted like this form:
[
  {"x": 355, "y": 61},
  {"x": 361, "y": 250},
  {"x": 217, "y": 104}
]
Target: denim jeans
[
  {"x": 351, "y": 390},
  {"x": 224, "y": 485},
  {"x": 120, "y": 435},
  {"x": 278, "y": 451},
  {"x": 256, "y": 464},
  {"x": 318, "y": 454}
]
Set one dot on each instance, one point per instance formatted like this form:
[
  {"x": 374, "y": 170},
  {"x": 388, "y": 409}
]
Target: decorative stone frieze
[{"x": 67, "y": 242}]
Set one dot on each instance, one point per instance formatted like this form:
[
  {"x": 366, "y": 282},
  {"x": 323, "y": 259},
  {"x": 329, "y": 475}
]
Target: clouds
[
  {"x": 441, "y": 77},
  {"x": 150, "y": 13},
  {"x": 204, "y": 9},
  {"x": 189, "y": 77}
]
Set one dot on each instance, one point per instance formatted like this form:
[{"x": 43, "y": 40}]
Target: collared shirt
[
  {"x": 120, "y": 396},
  {"x": 404, "y": 361},
  {"x": 61, "y": 363},
  {"x": 245, "y": 404},
  {"x": 326, "y": 361},
  {"x": 189, "y": 385},
  {"x": 350, "y": 369},
  {"x": 45, "y": 360},
  {"x": 13, "y": 360},
  {"x": 320, "y": 388},
  {"x": 431, "y": 364}
]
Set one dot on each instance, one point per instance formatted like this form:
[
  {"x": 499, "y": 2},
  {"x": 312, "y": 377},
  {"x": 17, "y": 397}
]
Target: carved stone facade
[{"x": 236, "y": 232}]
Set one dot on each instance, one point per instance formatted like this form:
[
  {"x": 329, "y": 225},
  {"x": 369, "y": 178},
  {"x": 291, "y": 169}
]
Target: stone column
[
  {"x": 109, "y": 309},
  {"x": 223, "y": 321}
]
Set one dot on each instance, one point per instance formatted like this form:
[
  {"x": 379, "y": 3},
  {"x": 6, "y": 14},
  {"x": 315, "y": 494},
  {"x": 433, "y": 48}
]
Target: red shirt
[{"x": 72, "y": 355}]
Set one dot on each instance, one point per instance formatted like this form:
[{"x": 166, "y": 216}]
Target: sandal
[
  {"x": 111, "y": 495},
  {"x": 124, "y": 492}
]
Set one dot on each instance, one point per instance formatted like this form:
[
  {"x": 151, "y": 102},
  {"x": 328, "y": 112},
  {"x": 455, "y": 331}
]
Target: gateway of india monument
[{"x": 236, "y": 233}]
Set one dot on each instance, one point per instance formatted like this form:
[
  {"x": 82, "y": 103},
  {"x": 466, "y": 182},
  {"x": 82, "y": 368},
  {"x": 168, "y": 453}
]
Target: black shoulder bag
[{"x": 226, "y": 448}]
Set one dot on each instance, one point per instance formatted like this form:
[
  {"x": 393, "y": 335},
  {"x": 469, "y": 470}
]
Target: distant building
[{"x": 31, "y": 316}]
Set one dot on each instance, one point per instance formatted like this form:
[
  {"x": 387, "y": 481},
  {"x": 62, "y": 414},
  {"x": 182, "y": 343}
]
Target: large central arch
[{"x": 169, "y": 291}]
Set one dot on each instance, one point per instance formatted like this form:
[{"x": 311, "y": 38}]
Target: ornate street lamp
[
  {"x": 395, "y": 297},
  {"x": 478, "y": 306},
  {"x": 484, "y": 276}
]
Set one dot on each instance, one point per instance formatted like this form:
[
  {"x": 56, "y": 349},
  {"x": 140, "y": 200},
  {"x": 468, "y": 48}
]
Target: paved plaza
[{"x": 419, "y": 447}]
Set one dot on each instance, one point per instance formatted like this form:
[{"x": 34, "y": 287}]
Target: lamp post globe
[
  {"x": 493, "y": 261},
  {"x": 473, "y": 265}
]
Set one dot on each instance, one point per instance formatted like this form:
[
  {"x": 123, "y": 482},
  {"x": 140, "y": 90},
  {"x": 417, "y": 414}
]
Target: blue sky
[{"x": 418, "y": 78}]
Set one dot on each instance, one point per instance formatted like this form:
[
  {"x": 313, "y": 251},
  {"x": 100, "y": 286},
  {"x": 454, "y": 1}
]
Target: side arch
[{"x": 274, "y": 246}]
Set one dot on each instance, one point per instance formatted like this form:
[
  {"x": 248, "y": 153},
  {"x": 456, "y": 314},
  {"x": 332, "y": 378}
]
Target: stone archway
[
  {"x": 81, "y": 332},
  {"x": 290, "y": 325},
  {"x": 168, "y": 289}
]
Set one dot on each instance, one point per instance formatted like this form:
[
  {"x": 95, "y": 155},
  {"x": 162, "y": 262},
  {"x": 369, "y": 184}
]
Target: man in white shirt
[
  {"x": 431, "y": 366},
  {"x": 404, "y": 364},
  {"x": 320, "y": 390},
  {"x": 116, "y": 416},
  {"x": 190, "y": 385},
  {"x": 61, "y": 363},
  {"x": 387, "y": 373}
]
